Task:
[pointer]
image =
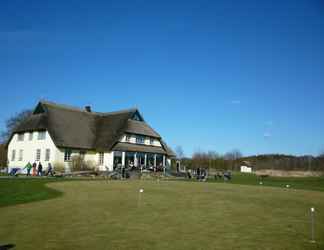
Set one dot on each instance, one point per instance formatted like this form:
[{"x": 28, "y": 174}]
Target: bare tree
[
  {"x": 233, "y": 155},
  {"x": 12, "y": 123},
  {"x": 179, "y": 152},
  {"x": 3, "y": 156},
  {"x": 213, "y": 155},
  {"x": 321, "y": 155}
]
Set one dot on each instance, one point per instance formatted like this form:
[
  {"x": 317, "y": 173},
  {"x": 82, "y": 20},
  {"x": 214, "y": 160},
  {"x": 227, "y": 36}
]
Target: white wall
[
  {"x": 156, "y": 142},
  {"x": 92, "y": 156},
  {"x": 60, "y": 158},
  {"x": 109, "y": 160},
  {"x": 245, "y": 169},
  {"x": 29, "y": 148}
]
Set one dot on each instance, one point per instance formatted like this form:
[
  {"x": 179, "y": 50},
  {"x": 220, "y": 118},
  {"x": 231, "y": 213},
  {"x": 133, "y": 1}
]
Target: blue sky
[{"x": 207, "y": 75}]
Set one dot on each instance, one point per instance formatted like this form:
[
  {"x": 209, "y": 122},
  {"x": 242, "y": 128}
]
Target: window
[
  {"x": 82, "y": 154},
  {"x": 31, "y": 136},
  {"x": 47, "y": 154},
  {"x": 38, "y": 154},
  {"x": 21, "y": 152},
  {"x": 117, "y": 159},
  {"x": 67, "y": 154},
  {"x": 128, "y": 138},
  {"x": 13, "y": 155},
  {"x": 151, "y": 141},
  {"x": 140, "y": 139},
  {"x": 41, "y": 135},
  {"x": 101, "y": 158},
  {"x": 21, "y": 136}
]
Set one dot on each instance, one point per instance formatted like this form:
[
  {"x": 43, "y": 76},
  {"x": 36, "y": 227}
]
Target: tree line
[
  {"x": 234, "y": 159},
  {"x": 231, "y": 160}
]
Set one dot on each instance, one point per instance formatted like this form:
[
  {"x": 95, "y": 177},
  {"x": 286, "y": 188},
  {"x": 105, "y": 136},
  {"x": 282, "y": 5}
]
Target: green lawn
[
  {"x": 169, "y": 215},
  {"x": 307, "y": 183}
]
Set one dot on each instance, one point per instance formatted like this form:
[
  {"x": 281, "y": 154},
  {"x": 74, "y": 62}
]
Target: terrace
[{"x": 140, "y": 160}]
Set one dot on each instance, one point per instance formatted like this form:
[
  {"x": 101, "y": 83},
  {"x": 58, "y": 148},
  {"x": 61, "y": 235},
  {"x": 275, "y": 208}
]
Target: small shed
[{"x": 246, "y": 167}]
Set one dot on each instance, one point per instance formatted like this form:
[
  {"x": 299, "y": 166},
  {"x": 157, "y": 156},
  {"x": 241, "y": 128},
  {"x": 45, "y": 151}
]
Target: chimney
[{"x": 88, "y": 108}]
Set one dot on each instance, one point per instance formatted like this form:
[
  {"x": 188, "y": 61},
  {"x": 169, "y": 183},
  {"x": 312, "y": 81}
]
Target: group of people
[
  {"x": 201, "y": 174},
  {"x": 37, "y": 170},
  {"x": 227, "y": 175}
]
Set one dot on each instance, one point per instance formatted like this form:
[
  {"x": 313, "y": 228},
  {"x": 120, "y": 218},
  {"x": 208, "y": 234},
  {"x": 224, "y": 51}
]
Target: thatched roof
[
  {"x": 77, "y": 128},
  {"x": 123, "y": 146}
]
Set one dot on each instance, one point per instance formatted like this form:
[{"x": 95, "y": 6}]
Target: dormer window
[
  {"x": 140, "y": 139},
  {"x": 21, "y": 136},
  {"x": 151, "y": 141},
  {"x": 137, "y": 117},
  {"x": 41, "y": 135}
]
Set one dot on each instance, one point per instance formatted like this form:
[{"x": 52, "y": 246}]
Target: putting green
[{"x": 166, "y": 215}]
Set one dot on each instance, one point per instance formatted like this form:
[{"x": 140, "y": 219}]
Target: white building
[
  {"x": 245, "y": 169},
  {"x": 55, "y": 133}
]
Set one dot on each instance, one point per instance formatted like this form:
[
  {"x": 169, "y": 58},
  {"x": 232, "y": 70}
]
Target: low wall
[{"x": 282, "y": 173}]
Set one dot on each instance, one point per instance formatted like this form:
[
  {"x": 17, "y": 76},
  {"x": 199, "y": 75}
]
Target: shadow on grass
[
  {"x": 303, "y": 183},
  {"x": 15, "y": 191},
  {"x": 7, "y": 246}
]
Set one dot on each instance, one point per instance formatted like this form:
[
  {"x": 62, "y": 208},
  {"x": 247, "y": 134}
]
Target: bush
[
  {"x": 90, "y": 164},
  {"x": 79, "y": 164},
  {"x": 59, "y": 167},
  {"x": 76, "y": 163}
]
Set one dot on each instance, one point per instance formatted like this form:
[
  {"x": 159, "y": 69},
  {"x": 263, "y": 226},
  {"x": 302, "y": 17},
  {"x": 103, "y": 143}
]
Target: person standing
[
  {"x": 123, "y": 172},
  {"x": 49, "y": 169},
  {"x": 28, "y": 167},
  {"x": 34, "y": 169},
  {"x": 40, "y": 169},
  {"x": 198, "y": 174}
]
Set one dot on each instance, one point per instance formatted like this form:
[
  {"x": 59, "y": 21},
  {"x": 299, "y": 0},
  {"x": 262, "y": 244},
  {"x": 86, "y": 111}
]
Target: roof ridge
[
  {"x": 74, "y": 108},
  {"x": 119, "y": 111},
  {"x": 60, "y": 105}
]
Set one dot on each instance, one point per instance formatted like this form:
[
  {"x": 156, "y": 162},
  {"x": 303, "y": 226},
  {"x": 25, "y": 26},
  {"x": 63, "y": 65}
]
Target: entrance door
[{"x": 141, "y": 160}]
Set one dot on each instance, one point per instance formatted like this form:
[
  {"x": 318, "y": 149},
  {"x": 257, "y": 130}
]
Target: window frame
[
  {"x": 128, "y": 138},
  {"x": 20, "y": 155},
  {"x": 47, "y": 154},
  {"x": 39, "y": 137},
  {"x": 13, "y": 155},
  {"x": 38, "y": 154},
  {"x": 67, "y": 154},
  {"x": 101, "y": 158},
  {"x": 140, "y": 139}
]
